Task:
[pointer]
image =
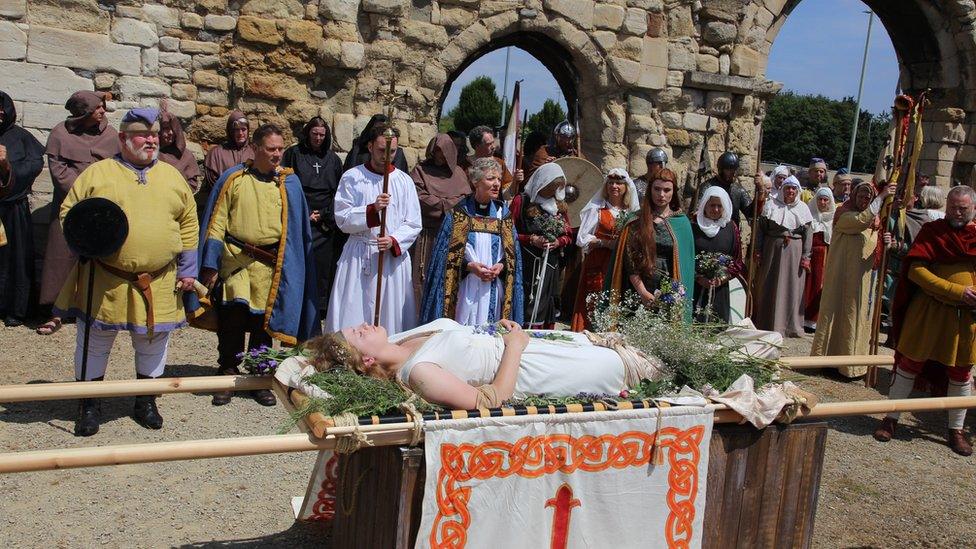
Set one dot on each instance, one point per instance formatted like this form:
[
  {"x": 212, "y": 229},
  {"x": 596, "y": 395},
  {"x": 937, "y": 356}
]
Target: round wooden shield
[
  {"x": 95, "y": 228},
  {"x": 583, "y": 179}
]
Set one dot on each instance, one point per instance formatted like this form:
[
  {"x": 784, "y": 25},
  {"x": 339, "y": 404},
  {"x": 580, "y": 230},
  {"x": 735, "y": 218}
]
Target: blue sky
[{"x": 818, "y": 51}]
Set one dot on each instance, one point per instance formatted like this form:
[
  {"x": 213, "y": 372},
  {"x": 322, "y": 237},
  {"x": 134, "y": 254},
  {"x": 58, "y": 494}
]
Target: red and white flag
[{"x": 510, "y": 143}]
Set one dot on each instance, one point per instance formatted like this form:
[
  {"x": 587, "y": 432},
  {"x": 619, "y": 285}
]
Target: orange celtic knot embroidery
[{"x": 535, "y": 456}]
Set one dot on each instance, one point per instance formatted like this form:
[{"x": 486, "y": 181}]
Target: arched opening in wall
[
  {"x": 817, "y": 53},
  {"x": 549, "y": 87}
]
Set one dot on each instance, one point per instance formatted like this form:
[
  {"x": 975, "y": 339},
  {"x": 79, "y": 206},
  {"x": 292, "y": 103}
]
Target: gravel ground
[{"x": 872, "y": 495}]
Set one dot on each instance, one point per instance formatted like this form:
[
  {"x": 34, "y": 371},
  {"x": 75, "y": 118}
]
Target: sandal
[{"x": 49, "y": 327}]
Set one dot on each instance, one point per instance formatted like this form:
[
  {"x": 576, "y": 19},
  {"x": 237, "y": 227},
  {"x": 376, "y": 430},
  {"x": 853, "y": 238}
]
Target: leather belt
[
  {"x": 265, "y": 254},
  {"x": 142, "y": 282}
]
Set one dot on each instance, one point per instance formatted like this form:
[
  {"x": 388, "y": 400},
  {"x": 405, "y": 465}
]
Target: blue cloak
[
  {"x": 447, "y": 266},
  {"x": 293, "y": 316}
]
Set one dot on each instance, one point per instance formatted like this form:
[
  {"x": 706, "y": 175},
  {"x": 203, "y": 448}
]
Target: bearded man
[
  {"x": 842, "y": 186},
  {"x": 257, "y": 243},
  {"x": 934, "y": 314},
  {"x": 134, "y": 288},
  {"x": 483, "y": 141}
]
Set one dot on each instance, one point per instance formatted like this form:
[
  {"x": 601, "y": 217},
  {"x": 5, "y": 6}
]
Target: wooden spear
[
  {"x": 378, "y": 435},
  {"x": 387, "y": 155}
]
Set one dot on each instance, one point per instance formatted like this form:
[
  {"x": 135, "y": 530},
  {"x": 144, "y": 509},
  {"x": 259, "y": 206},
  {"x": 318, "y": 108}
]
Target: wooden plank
[
  {"x": 737, "y": 440},
  {"x": 793, "y": 457},
  {"x": 773, "y": 489},
  {"x": 714, "y": 489},
  {"x": 752, "y": 491},
  {"x": 815, "y": 439},
  {"x": 411, "y": 460}
]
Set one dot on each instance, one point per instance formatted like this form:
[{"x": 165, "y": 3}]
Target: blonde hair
[
  {"x": 932, "y": 198},
  {"x": 331, "y": 350}
]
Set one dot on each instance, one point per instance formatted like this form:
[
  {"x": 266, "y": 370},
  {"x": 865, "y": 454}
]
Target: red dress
[
  {"x": 815, "y": 279},
  {"x": 594, "y": 271}
]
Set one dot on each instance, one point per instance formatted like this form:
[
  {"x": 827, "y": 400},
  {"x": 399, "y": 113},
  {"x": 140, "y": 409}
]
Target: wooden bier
[{"x": 130, "y": 387}]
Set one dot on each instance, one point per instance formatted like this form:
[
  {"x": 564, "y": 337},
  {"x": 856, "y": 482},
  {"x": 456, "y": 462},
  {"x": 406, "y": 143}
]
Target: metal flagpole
[
  {"x": 508, "y": 57},
  {"x": 860, "y": 89}
]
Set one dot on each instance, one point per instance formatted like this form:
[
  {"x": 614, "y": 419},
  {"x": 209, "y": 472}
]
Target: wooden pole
[
  {"x": 378, "y": 435},
  {"x": 130, "y": 387},
  {"x": 758, "y": 202},
  {"x": 379, "y": 260},
  {"x": 811, "y": 362}
]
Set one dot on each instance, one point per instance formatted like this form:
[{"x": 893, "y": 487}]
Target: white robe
[
  {"x": 474, "y": 297},
  {"x": 354, "y": 290}
]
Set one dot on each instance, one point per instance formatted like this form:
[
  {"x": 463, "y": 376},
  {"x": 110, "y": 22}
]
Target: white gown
[
  {"x": 354, "y": 290},
  {"x": 552, "y": 368},
  {"x": 474, "y": 297}
]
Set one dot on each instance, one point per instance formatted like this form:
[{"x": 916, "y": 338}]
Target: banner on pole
[{"x": 567, "y": 480}]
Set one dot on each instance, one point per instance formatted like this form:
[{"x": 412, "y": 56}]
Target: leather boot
[
  {"x": 145, "y": 412},
  {"x": 221, "y": 398},
  {"x": 959, "y": 443},
  {"x": 89, "y": 415},
  {"x": 264, "y": 397},
  {"x": 885, "y": 430}
]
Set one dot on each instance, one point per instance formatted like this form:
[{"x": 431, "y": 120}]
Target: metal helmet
[
  {"x": 565, "y": 129},
  {"x": 657, "y": 154},
  {"x": 728, "y": 160}
]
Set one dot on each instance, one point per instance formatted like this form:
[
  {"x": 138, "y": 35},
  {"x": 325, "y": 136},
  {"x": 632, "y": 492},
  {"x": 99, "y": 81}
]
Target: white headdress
[
  {"x": 541, "y": 178},
  {"x": 708, "y": 226}
]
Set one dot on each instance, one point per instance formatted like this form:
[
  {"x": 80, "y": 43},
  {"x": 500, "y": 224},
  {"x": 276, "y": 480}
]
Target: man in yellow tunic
[
  {"x": 257, "y": 244},
  {"x": 845, "y": 317},
  {"x": 160, "y": 249},
  {"x": 934, "y": 314}
]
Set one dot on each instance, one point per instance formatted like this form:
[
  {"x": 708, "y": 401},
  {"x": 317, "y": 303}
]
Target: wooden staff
[
  {"x": 903, "y": 113},
  {"x": 378, "y": 435},
  {"x": 391, "y": 99},
  {"x": 758, "y": 203}
]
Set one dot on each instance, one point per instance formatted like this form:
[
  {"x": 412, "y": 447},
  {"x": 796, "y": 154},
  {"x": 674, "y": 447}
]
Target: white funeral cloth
[{"x": 354, "y": 291}]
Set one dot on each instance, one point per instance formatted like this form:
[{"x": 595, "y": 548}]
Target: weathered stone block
[
  {"x": 13, "y": 41},
  {"x": 174, "y": 73},
  {"x": 653, "y": 78},
  {"x": 280, "y": 9},
  {"x": 169, "y": 43},
  {"x": 707, "y": 63},
  {"x": 635, "y": 22},
  {"x": 175, "y": 59},
  {"x": 455, "y": 16},
  {"x": 77, "y": 15},
  {"x": 695, "y": 122},
  {"x": 339, "y": 10},
  {"x": 671, "y": 119},
  {"x": 577, "y": 12},
  {"x": 184, "y": 92},
  {"x": 63, "y": 48},
  {"x": 680, "y": 57},
  {"x": 210, "y": 79},
  {"x": 196, "y": 46},
  {"x": 275, "y": 86},
  {"x": 214, "y": 98},
  {"x": 162, "y": 15},
  {"x": 343, "y": 127},
  {"x": 14, "y": 9},
  {"x": 774, "y": 6},
  {"x": 190, "y": 20},
  {"x": 391, "y": 8},
  {"x": 745, "y": 61},
  {"x": 641, "y": 123},
  {"x": 626, "y": 72},
  {"x": 725, "y": 10},
  {"x": 150, "y": 62},
  {"x": 134, "y": 32},
  {"x": 353, "y": 55},
  {"x": 680, "y": 22},
  {"x": 719, "y": 33},
  {"x": 718, "y": 103},
  {"x": 205, "y": 62},
  {"x": 677, "y": 137},
  {"x": 104, "y": 80},
  {"x": 656, "y": 25},
  {"x": 256, "y": 29},
  {"x": 654, "y": 52},
  {"x": 182, "y": 109},
  {"x": 675, "y": 79},
  {"x": 631, "y": 48},
  {"x": 304, "y": 33},
  {"x": 221, "y": 23},
  {"x": 608, "y": 16},
  {"x": 42, "y": 116},
  {"x": 133, "y": 88},
  {"x": 421, "y": 133},
  {"x": 424, "y": 33},
  {"x": 605, "y": 39}
]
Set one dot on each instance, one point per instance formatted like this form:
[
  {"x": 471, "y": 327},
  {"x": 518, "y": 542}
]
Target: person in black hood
[
  {"x": 319, "y": 169},
  {"x": 21, "y": 159},
  {"x": 358, "y": 154}
]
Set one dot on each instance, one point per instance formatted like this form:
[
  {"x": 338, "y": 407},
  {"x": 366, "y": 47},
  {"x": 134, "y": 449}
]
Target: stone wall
[{"x": 678, "y": 74}]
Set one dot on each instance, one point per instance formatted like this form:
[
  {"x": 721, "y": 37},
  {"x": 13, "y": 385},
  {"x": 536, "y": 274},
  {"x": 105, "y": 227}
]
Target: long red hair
[{"x": 646, "y": 232}]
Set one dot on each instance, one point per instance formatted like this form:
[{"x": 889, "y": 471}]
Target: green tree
[
  {"x": 799, "y": 127},
  {"x": 478, "y": 105},
  {"x": 545, "y": 120}
]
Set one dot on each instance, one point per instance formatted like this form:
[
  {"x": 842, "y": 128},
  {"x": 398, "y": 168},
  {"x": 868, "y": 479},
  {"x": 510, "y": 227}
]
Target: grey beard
[{"x": 959, "y": 223}]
